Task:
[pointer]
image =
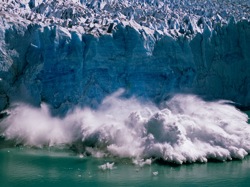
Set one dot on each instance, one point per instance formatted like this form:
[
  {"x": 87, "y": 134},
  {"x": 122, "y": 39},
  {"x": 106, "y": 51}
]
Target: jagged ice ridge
[{"x": 176, "y": 17}]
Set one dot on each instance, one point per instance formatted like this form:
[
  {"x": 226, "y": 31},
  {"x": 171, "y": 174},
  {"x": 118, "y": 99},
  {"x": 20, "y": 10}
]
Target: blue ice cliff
[{"x": 76, "y": 52}]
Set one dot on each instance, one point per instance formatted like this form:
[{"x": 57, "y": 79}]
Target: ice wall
[
  {"x": 62, "y": 68},
  {"x": 222, "y": 62},
  {"x": 65, "y": 67}
]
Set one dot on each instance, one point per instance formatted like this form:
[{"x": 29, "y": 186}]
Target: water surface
[{"x": 44, "y": 167}]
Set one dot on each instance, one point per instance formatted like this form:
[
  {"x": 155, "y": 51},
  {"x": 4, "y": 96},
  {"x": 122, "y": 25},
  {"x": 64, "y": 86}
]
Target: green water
[
  {"x": 40, "y": 167},
  {"x": 23, "y": 166}
]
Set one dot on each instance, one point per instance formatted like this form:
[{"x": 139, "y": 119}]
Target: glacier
[
  {"x": 76, "y": 53},
  {"x": 109, "y": 46}
]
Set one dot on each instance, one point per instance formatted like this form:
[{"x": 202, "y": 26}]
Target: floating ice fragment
[
  {"x": 81, "y": 156},
  {"x": 107, "y": 166},
  {"x": 155, "y": 173}
]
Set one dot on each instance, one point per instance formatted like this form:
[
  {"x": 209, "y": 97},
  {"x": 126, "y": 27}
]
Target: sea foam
[{"x": 187, "y": 129}]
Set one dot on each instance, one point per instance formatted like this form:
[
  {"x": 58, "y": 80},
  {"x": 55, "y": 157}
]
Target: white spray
[{"x": 188, "y": 129}]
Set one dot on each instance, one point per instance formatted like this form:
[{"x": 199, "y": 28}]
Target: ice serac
[
  {"x": 222, "y": 62},
  {"x": 69, "y": 53}
]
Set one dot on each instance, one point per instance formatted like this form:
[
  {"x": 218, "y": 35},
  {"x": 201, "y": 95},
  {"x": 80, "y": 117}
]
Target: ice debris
[{"x": 107, "y": 166}]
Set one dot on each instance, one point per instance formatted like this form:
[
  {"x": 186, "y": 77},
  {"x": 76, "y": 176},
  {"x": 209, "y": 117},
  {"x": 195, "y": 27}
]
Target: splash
[{"x": 186, "y": 130}]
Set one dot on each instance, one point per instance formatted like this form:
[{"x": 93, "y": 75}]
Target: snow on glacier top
[{"x": 174, "y": 17}]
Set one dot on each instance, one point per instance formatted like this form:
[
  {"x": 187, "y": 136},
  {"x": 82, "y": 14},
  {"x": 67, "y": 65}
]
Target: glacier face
[
  {"x": 69, "y": 58},
  {"x": 68, "y": 53}
]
